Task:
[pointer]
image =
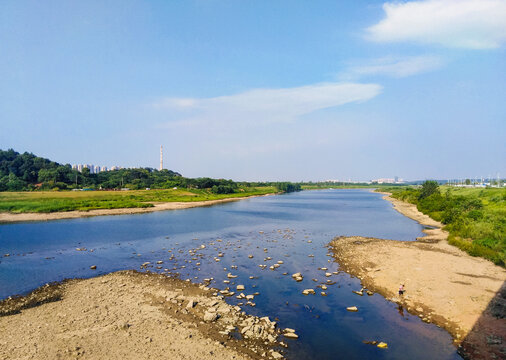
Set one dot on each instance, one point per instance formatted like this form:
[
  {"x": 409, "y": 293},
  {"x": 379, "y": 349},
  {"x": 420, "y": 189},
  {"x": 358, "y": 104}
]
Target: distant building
[
  {"x": 94, "y": 169},
  {"x": 395, "y": 180}
]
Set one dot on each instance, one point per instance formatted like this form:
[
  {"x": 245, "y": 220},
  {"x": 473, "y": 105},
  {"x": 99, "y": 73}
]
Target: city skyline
[{"x": 327, "y": 90}]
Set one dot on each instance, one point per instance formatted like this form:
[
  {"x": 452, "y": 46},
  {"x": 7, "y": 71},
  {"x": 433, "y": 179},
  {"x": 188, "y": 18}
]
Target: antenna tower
[{"x": 161, "y": 157}]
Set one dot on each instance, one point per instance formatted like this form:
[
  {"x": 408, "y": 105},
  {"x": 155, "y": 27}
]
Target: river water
[{"x": 293, "y": 228}]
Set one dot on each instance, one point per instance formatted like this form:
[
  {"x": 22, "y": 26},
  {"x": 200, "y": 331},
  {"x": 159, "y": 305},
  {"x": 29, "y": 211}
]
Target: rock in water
[
  {"x": 93, "y": 267},
  {"x": 291, "y": 335},
  {"x": 352, "y": 308},
  {"x": 308, "y": 291},
  {"x": 382, "y": 345}
]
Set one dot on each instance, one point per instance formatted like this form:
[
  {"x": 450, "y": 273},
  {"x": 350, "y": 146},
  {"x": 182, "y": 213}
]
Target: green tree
[{"x": 429, "y": 187}]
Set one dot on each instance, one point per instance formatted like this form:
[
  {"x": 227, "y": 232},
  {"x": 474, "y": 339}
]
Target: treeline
[
  {"x": 27, "y": 172},
  {"x": 474, "y": 218}
]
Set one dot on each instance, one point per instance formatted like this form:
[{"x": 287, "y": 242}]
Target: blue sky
[{"x": 259, "y": 90}]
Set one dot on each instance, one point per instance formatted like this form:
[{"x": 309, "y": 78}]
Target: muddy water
[{"x": 290, "y": 230}]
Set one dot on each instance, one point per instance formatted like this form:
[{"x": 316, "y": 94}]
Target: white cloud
[
  {"x": 266, "y": 105},
  {"x": 396, "y": 67},
  {"x": 471, "y": 24}
]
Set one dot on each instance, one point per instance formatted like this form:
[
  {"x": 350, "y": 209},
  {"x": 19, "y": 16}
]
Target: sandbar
[{"x": 465, "y": 295}]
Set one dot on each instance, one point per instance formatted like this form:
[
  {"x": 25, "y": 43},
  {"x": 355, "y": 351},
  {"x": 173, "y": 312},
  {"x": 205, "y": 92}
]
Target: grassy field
[
  {"x": 54, "y": 201},
  {"x": 474, "y": 217}
]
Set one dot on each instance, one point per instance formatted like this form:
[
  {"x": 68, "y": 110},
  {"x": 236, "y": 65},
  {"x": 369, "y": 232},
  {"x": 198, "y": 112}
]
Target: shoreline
[
  {"x": 7, "y": 218},
  {"x": 463, "y": 294},
  {"x": 127, "y": 315}
]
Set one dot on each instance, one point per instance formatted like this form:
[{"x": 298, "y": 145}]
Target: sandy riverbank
[
  {"x": 444, "y": 285},
  {"x": 131, "y": 315},
  {"x": 24, "y": 217}
]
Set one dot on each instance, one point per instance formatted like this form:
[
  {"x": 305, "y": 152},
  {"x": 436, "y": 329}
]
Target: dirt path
[
  {"x": 130, "y": 315},
  {"x": 11, "y": 218},
  {"x": 463, "y": 294}
]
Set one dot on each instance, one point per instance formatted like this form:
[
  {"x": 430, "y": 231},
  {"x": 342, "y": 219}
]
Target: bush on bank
[{"x": 475, "y": 218}]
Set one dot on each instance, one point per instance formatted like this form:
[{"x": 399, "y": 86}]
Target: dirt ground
[
  {"x": 23, "y": 217},
  {"x": 443, "y": 284},
  {"x": 130, "y": 315}
]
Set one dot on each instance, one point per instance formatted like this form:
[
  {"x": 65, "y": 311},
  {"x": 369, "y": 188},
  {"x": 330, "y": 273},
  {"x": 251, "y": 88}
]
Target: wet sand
[
  {"x": 25, "y": 217},
  {"x": 444, "y": 285},
  {"x": 131, "y": 315}
]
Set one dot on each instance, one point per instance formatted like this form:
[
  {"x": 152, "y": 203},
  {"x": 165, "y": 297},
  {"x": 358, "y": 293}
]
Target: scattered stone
[
  {"x": 240, "y": 287},
  {"x": 276, "y": 355},
  {"x": 211, "y": 316},
  {"x": 308, "y": 291},
  {"x": 93, "y": 267},
  {"x": 352, "y": 308},
  {"x": 191, "y": 303},
  {"x": 297, "y": 277}
]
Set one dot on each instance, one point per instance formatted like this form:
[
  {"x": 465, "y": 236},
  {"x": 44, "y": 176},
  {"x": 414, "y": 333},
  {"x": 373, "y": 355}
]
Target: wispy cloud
[
  {"x": 397, "y": 67},
  {"x": 470, "y": 24},
  {"x": 266, "y": 105}
]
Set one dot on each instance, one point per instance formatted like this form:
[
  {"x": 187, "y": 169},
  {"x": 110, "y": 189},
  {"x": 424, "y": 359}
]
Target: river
[{"x": 292, "y": 228}]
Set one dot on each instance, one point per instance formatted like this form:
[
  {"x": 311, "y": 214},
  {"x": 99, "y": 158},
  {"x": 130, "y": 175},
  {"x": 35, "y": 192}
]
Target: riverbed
[{"x": 234, "y": 239}]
